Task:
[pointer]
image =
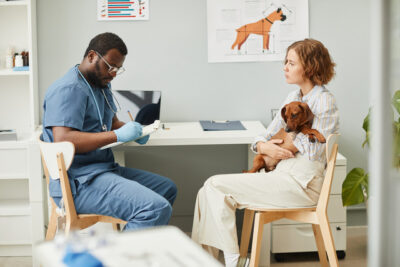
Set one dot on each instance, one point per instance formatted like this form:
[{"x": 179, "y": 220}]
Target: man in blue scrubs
[{"x": 79, "y": 108}]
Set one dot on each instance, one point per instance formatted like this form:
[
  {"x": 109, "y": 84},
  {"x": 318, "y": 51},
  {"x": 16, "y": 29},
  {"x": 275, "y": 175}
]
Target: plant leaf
[
  {"x": 366, "y": 128},
  {"x": 352, "y": 192},
  {"x": 396, "y": 145},
  {"x": 396, "y": 101}
]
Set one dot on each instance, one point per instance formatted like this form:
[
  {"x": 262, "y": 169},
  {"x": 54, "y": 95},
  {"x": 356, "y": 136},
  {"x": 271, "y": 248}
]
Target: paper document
[{"x": 147, "y": 130}]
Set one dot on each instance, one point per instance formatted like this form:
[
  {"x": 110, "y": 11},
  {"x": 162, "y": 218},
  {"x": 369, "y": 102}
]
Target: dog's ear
[
  {"x": 283, "y": 111},
  {"x": 279, "y": 10},
  {"x": 307, "y": 111}
]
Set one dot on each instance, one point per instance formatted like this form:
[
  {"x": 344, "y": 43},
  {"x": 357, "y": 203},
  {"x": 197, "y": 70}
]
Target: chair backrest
[
  {"x": 49, "y": 153},
  {"x": 57, "y": 158},
  {"x": 331, "y": 153}
]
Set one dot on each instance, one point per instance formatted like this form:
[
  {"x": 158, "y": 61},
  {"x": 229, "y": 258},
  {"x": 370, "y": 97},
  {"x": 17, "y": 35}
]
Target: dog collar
[{"x": 269, "y": 20}]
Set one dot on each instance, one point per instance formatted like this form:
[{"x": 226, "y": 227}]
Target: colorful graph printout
[{"x": 122, "y": 9}]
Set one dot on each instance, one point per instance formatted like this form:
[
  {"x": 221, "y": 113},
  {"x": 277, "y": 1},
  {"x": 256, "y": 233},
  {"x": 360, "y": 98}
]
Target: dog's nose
[
  {"x": 283, "y": 17},
  {"x": 287, "y": 129}
]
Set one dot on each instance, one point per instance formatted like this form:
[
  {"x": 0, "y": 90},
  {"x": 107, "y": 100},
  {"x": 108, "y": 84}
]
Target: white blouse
[{"x": 326, "y": 120}]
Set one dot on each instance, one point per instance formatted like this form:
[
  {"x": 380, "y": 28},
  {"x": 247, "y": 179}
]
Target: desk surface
[
  {"x": 163, "y": 246},
  {"x": 191, "y": 133}
]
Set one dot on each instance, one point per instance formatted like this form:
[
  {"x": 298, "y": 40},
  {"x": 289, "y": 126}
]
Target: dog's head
[
  {"x": 277, "y": 15},
  {"x": 297, "y": 115}
]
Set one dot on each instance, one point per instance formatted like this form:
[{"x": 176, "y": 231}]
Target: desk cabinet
[{"x": 290, "y": 236}]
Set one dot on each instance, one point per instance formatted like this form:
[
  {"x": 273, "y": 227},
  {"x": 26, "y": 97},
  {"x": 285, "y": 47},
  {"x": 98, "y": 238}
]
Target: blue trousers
[{"x": 141, "y": 198}]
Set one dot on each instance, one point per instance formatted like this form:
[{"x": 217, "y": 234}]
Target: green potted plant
[{"x": 355, "y": 186}]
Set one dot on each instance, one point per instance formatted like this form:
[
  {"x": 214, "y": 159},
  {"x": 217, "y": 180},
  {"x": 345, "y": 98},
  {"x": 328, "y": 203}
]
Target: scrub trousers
[
  {"x": 141, "y": 198},
  {"x": 214, "y": 222}
]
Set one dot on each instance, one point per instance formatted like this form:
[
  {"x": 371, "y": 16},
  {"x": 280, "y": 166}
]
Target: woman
[{"x": 297, "y": 179}]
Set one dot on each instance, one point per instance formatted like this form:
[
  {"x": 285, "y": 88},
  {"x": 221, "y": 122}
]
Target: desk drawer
[
  {"x": 13, "y": 163},
  {"x": 300, "y": 238},
  {"x": 336, "y": 212},
  {"x": 15, "y": 230}
]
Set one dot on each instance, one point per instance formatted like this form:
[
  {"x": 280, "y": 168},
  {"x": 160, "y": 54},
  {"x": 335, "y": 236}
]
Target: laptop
[{"x": 144, "y": 106}]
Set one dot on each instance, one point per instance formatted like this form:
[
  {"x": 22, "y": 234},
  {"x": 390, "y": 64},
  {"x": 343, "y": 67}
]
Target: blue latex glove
[
  {"x": 80, "y": 259},
  {"x": 129, "y": 131},
  {"x": 143, "y": 140}
]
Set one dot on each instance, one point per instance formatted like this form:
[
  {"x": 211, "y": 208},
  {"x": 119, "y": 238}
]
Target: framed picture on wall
[{"x": 122, "y": 10}]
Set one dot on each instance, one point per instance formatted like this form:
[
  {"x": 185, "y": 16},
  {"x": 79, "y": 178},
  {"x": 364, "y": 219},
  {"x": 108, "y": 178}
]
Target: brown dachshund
[
  {"x": 261, "y": 27},
  {"x": 298, "y": 117}
]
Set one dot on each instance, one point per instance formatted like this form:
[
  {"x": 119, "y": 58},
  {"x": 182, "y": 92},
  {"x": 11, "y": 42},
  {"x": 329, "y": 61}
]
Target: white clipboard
[{"x": 147, "y": 130}]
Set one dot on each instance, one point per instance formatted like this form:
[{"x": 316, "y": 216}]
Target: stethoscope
[{"x": 103, "y": 125}]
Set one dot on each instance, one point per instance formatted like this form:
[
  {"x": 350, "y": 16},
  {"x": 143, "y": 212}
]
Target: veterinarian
[
  {"x": 297, "y": 179},
  {"x": 79, "y": 108}
]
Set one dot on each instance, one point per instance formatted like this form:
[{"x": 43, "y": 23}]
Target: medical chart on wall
[
  {"x": 254, "y": 30},
  {"x": 122, "y": 10}
]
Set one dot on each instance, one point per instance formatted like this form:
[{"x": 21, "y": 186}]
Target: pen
[{"x": 130, "y": 115}]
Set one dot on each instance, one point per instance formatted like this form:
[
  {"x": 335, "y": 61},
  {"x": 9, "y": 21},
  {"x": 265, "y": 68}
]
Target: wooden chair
[
  {"x": 316, "y": 215},
  {"x": 56, "y": 159}
]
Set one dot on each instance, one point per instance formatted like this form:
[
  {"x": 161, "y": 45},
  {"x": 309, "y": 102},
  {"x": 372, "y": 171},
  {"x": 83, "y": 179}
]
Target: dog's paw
[{"x": 269, "y": 168}]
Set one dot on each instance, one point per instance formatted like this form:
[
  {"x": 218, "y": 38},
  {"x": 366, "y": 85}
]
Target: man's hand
[
  {"x": 143, "y": 140},
  {"x": 271, "y": 149},
  {"x": 128, "y": 132}
]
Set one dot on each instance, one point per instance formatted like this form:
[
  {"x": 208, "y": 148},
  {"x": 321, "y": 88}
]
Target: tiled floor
[{"x": 356, "y": 254}]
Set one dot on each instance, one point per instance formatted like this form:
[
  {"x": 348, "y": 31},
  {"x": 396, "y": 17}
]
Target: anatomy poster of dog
[{"x": 254, "y": 30}]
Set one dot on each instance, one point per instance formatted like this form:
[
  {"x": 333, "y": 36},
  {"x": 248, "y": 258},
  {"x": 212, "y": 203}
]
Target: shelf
[
  {"x": 14, "y": 207},
  {"x": 22, "y": 142},
  {"x": 14, "y": 3},
  {"x": 14, "y": 176},
  {"x": 7, "y": 72}
]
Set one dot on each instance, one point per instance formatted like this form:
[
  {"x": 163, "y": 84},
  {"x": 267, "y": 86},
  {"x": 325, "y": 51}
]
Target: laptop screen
[{"x": 143, "y": 105}]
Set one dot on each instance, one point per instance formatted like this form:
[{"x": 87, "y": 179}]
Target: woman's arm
[
  {"x": 270, "y": 148},
  {"x": 262, "y": 143}
]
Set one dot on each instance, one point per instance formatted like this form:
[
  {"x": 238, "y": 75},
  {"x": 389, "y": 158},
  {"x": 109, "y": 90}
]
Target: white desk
[
  {"x": 163, "y": 246},
  {"x": 191, "y": 133}
]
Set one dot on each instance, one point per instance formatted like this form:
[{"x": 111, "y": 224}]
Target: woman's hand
[{"x": 271, "y": 149}]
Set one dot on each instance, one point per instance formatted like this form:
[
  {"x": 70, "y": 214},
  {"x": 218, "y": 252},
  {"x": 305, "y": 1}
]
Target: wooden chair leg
[
  {"x": 320, "y": 245},
  {"x": 257, "y": 237},
  {"x": 246, "y": 231},
  {"x": 116, "y": 227},
  {"x": 52, "y": 227},
  {"x": 328, "y": 240}
]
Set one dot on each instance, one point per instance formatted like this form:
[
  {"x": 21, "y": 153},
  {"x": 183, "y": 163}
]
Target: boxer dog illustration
[{"x": 261, "y": 27}]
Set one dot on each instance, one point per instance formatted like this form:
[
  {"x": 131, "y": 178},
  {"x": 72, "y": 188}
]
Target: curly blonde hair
[{"x": 315, "y": 59}]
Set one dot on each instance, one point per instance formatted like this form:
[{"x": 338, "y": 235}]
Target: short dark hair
[
  {"x": 315, "y": 59},
  {"x": 103, "y": 42}
]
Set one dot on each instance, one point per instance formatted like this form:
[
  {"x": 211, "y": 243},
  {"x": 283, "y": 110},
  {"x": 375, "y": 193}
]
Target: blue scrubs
[{"x": 98, "y": 184}]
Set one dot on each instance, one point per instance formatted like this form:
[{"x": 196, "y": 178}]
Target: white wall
[{"x": 169, "y": 53}]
